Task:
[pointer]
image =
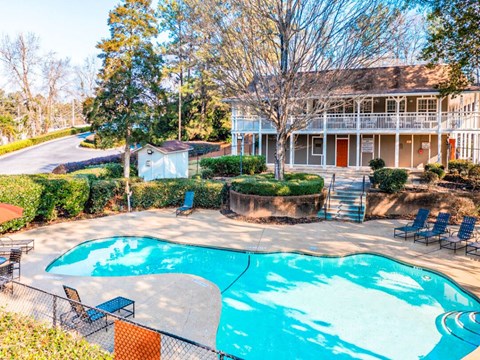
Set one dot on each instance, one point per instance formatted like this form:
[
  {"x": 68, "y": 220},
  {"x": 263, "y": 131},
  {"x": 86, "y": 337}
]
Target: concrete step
[{"x": 342, "y": 214}]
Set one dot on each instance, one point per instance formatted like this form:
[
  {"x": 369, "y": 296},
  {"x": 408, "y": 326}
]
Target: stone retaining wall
[
  {"x": 265, "y": 206},
  {"x": 406, "y": 204}
]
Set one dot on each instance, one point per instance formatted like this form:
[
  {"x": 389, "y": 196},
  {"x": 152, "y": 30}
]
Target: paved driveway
[{"x": 45, "y": 157}]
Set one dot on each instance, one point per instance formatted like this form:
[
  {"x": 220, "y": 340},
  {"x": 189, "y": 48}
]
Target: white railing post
[
  {"x": 357, "y": 159},
  {"x": 260, "y": 135},
  {"x": 324, "y": 164},
  {"x": 439, "y": 130},
  {"x": 292, "y": 144},
  {"x": 397, "y": 132}
]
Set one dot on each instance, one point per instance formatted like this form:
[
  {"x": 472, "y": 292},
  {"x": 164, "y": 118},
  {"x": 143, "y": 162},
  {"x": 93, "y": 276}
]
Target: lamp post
[{"x": 242, "y": 139}]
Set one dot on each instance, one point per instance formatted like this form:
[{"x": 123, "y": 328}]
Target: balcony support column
[
  {"x": 324, "y": 165},
  {"x": 357, "y": 159},
  {"x": 234, "y": 143},
  {"x": 439, "y": 130},
  {"x": 397, "y": 131},
  {"x": 475, "y": 148},
  {"x": 254, "y": 148},
  {"x": 292, "y": 145}
]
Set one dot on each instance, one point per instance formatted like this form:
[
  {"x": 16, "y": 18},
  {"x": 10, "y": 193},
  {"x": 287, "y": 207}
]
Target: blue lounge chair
[
  {"x": 464, "y": 234},
  {"x": 187, "y": 207},
  {"x": 79, "y": 317},
  {"x": 439, "y": 228},
  {"x": 419, "y": 223}
]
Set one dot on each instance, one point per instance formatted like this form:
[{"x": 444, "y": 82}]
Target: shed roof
[{"x": 171, "y": 146}]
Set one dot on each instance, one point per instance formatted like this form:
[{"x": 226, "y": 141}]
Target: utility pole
[{"x": 73, "y": 112}]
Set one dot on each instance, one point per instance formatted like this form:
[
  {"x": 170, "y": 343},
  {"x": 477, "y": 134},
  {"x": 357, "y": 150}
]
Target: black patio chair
[
  {"x": 80, "y": 317},
  {"x": 439, "y": 228},
  {"x": 419, "y": 223},
  {"x": 6, "y": 276},
  {"x": 23, "y": 244},
  {"x": 465, "y": 233},
  {"x": 15, "y": 259}
]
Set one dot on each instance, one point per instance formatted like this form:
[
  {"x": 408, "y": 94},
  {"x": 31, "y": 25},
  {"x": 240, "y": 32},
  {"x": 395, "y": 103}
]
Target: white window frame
[
  {"x": 402, "y": 108},
  {"x": 313, "y": 153},
  {"x": 428, "y": 109}
]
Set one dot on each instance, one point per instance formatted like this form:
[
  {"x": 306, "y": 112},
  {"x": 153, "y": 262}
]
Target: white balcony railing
[{"x": 450, "y": 121}]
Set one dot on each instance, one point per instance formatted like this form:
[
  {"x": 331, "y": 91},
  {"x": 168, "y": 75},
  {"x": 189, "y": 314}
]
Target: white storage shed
[{"x": 163, "y": 162}]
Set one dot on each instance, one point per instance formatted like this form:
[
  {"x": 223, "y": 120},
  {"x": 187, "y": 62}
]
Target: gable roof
[{"x": 168, "y": 147}]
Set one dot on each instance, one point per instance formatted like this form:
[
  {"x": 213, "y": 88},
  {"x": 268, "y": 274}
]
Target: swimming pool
[{"x": 294, "y": 306}]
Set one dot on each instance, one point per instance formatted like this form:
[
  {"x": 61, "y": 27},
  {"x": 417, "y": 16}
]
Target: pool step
[{"x": 464, "y": 325}]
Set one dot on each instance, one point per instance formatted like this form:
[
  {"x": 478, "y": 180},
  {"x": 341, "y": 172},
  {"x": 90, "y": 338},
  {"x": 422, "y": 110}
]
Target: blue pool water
[{"x": 292, "y": 306}]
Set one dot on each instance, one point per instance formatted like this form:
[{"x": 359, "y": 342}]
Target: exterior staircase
[
  {"x": 464, "y": 325},
  {"x": 345, "y": 200}
]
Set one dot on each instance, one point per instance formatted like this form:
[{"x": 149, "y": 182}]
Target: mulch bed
[{"x": 274, "y": 220}]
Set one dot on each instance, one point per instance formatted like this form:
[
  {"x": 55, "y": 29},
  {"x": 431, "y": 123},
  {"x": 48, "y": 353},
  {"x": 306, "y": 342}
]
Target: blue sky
[{"x": 71, "y": 28}]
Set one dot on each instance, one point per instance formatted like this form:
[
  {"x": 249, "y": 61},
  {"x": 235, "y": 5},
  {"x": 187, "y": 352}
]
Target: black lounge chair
[
  {"x": 25, "y": 245},
  {"x": 439, "y": 228},
  {"x": 419, "y": 223},
  {"x": 80, "y": 317},
  {"x": 15, "y": 259},
  {"x": 187, "y": 207},
  {"x": 6, "y": 276},
  {"x": 465, "y": 233}
]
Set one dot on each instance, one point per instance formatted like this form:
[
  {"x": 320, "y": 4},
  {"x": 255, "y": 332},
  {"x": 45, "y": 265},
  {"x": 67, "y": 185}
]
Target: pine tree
[{"x": 129, "y": 86}]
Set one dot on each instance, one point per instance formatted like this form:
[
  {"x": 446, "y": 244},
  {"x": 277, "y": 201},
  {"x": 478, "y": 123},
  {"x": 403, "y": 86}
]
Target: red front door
[
  {"x": 342, "y": 152},
  {"x": 453, "y": 150}
]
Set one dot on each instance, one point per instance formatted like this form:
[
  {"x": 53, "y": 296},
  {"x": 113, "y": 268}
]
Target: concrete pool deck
[{"x": 190, "y": 306}]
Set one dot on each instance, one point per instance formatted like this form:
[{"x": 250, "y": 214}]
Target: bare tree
[
  {"x": 408, "y": 35},
  {"x": 55, "y": 75},
  {"x": 86, "y": 77},
  {"x": 276, "y": 54},
  {"x": 20, "y": 57}
]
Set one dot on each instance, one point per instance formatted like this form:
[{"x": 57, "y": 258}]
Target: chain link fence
[{"x": 124, "y": 338}]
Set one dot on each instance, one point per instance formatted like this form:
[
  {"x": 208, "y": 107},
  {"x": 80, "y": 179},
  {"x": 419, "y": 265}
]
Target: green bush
[
  {"x": 474, "y": 172},
  {"x": 376, "y": 164},
  {"x": 207, "y": 173},
  {"x": 24, "y": 338},
  {"x": 101, "y": 193},
  {"x": 430, "y": 177},
  {"x": 23, "y": 191},
  {"x": 104, "y": 171},
  {"x": 265, "y": 185},
  {"x": 380, "y": 175},
  {"x": 436, "y": 168},
  {"x": 459, "y": 166},
  {"x": 87, "y": 145},
  {"x": 394, "y": 181},
  {"x": 64, "y": 195},
  {"x": 21, "y": 144},
  {"x": 230, "y": 165},
  {"x": 171, "y": 192}
]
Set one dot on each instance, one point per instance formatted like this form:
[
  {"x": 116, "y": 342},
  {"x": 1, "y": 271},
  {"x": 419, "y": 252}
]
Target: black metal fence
[{"x": 124, "y": 338}]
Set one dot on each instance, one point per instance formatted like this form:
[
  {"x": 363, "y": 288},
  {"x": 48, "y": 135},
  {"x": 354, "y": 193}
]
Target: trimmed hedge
[
  {"x": 230, "y": 165},
  {"x": 390, "y": 180},
  {"x": 23, "y": 191},
  {"x": 436, "y": 168},
  {"x": 21, "y": 144},
  {"x": 64, "y": 195},
  {"x": 376, "y": 164},
  {"x": 101, "y": 193},
  {"x": 43, "y": 197},
  {"x": 171, "y": 192},
  {"x": 24, "y": 338},
  {"x": 295, "y": 184}
]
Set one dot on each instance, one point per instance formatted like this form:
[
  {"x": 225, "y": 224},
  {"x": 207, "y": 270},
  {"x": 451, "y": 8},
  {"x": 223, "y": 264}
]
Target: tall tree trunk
[
  {"x": 126, "y": 156},
  {"x": 279, "y": 170}
]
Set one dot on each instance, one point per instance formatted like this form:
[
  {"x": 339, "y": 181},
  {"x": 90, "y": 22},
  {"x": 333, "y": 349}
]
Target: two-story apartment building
[{"x": 393, "y": 113}]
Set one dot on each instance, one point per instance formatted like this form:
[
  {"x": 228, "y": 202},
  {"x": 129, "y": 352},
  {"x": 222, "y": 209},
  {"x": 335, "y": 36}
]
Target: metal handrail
[
  {"x": 361, "y": 200},
  {"x": 331, "y": 188}
]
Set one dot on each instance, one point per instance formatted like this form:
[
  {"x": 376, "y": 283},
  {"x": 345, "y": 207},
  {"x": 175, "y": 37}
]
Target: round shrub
[
  {"x": 395, "y": 181},
  {"x": 376, "y": 164},
  {"x": 474, "y": 172},
  {"x": 101, "y": 193},
  {"x": 459, "y": 166},
  {"x": 265, "y": 185},
  {"x": 207, "y": 173},
  {"x": 437, "y": 170},
  {"x": 430, "y": 177},
  {"x": 380, "y": 175},
  {"x": 434, "y": 166}
]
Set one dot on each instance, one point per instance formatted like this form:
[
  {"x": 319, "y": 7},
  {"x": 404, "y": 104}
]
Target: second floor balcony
[{"x": 371, "y": 122}]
